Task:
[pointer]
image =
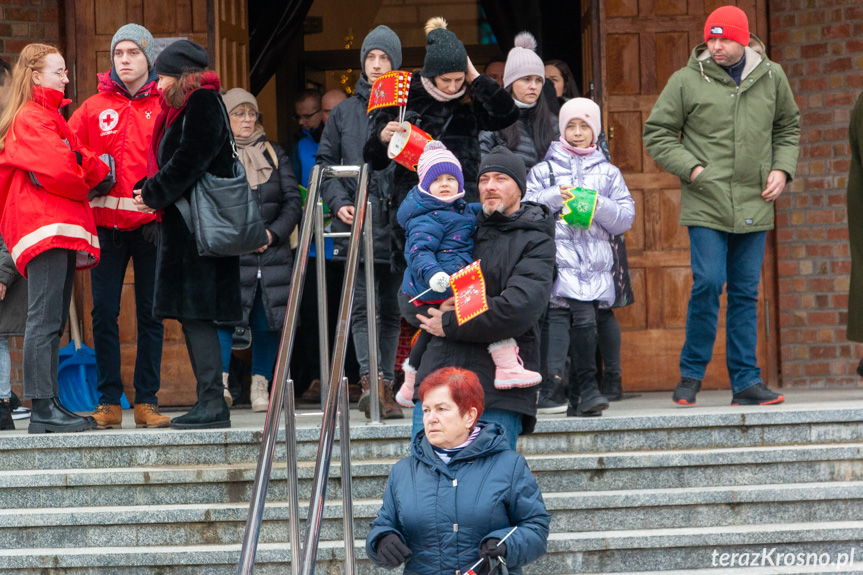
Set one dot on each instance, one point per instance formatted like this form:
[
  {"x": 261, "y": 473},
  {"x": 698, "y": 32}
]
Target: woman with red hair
[{"x": 460, "y": 492}]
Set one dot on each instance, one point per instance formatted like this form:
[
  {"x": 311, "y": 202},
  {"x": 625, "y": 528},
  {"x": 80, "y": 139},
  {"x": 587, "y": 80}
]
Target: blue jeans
[
  {"x": 265, "y": 343},
  {"x": 107, "y": 286},
  {"x": 509, "y": 420},
  {"x": 5, "y": 368},
  {"x": 718, "y": 258}
]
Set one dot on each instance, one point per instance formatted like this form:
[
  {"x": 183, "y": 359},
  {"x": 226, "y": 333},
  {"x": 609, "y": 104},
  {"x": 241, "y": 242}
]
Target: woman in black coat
[
  {"x": 265, "y": 275},
  {"x": 450, "y": 101},
  {"x": 191, "y": 137},
  {"x": 536, "y": 127}
]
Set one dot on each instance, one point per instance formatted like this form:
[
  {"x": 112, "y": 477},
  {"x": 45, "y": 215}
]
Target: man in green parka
[{"x": 727, "y": 125}]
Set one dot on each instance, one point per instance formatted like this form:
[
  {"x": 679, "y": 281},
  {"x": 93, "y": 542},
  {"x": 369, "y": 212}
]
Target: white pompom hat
[{"x": 522, "y": 60}]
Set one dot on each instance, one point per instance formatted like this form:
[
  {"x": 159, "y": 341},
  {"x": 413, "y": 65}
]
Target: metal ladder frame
[{"x": 334, "y": 397}]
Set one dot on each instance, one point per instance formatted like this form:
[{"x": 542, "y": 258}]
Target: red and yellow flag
[
  {"x": 468, "y": 286},
  {"x": 391, "y": 89}
]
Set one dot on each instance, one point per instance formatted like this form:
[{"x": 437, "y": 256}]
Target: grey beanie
[
  {"x": 140, "y": 36},
  {"x": 502, "y": 159},
  {"x": 384, "y": 39},
  {"x": 445, "y": 53}
]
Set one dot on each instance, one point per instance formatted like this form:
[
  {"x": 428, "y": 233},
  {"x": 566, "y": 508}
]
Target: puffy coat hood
[
  {"x": 531, "y": 216},
  {"x": 491, "y": 440}
]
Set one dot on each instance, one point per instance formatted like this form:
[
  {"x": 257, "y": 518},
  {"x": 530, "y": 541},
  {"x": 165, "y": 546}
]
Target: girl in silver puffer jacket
[{"x": 584, "y": 256}]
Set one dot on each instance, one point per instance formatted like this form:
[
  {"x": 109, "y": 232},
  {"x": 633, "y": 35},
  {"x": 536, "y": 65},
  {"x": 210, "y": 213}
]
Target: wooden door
[
  {"x": 90, "y": 26},
  {"x": 645, "y": 41},
  {"x": 232, "y": 43}
]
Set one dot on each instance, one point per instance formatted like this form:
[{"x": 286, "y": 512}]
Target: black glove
[
  {"x": 150, "y": 231},
  {"x": 490, "y": 548},
  {"x": 392, "y": 551},
  {"x": 78, "y": 157}
]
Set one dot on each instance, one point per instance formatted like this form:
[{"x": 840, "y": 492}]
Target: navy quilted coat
[
  {"x": 443, "y": 512},
  {"x": 439, "y": 237}
]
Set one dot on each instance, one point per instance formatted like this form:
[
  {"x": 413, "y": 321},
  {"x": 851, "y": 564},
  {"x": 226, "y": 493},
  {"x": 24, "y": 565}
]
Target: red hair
[{"x": 463, "y": 384}]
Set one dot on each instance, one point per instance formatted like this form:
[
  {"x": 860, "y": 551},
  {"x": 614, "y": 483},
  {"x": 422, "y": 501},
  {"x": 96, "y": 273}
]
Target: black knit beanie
[
  {"x": 445, "y": 53},
  {"x": 181, "y": 56},
  {"x": 501, "y": 159}
]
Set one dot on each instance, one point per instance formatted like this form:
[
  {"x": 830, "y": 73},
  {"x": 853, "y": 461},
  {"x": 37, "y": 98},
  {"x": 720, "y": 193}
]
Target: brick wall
[
  {"x": 819, "y": 45},
  {"x": 26, "y": 21},
  {"x": 23, "y": 22}
]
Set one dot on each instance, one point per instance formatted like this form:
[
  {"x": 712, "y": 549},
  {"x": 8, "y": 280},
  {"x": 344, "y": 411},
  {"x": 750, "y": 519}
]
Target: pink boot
[
  {"x": 510, "y": 371},
  {"x": 406, "y": 391}
]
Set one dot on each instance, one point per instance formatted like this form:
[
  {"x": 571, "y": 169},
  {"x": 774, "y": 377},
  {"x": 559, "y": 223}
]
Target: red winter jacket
[
  {"x": 53, "y": 213},
  {"x": 116, "y": 123}
]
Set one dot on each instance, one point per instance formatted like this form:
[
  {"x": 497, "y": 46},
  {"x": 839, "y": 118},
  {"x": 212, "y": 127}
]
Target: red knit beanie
[{"x": 727, "y": 22}]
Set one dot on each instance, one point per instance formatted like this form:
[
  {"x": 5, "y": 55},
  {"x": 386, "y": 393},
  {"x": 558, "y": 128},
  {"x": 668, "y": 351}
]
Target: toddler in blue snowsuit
[{"x": 439, "y": 227}]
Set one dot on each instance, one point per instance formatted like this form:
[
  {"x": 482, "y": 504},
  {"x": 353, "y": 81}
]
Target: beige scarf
[{"x": 252, "y": 152}]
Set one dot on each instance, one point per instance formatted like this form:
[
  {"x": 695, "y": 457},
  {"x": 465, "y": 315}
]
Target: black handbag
[{"x": 223, "y": 214}]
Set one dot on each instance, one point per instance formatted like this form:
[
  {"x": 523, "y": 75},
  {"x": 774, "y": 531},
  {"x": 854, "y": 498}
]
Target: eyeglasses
[
  {"x": 242, "y": 115},
  {"x": 60, "y": 73},
  {"x": 299, "y": 117}
]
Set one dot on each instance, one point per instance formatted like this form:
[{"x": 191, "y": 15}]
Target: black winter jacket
[
  {"x": 281, "y": 208},
  {"x": 189, "y": 286},
  {"x": 342, "y": 143},
  {"x": 517, "y": 259},
  {"x": 456, "y": 123},
  {"x": 525, "y": 147}
]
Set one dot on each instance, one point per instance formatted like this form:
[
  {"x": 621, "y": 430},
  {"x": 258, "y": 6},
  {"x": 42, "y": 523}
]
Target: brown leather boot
[
  {"x": 390, "y": 409},
  {"x": 147, "y": 415},
  {"x": 108, "y": 416},
  {"x": 364, "y": 402}
]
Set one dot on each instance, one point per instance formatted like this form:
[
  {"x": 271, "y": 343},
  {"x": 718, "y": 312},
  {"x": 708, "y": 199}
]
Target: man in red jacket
[{"x": 119, "y": 121}]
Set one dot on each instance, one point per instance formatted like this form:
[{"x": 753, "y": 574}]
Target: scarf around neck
[
  {"x": 252, "y": 152},
  {"x": 576, "y": 151},
  {"x": 209, "y": 81},
  {"x": 441, "y": 96},
  {"x": 522, "y": 106},
  {"x": 446, "y": 454}
]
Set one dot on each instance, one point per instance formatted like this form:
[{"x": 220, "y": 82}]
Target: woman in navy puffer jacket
[{"x": 460, "y": 492}]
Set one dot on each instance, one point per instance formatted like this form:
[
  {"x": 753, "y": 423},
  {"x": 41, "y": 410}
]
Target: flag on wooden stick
[
  {"x": 391, "y": 89},
  {"x": 468, "y": 286}
]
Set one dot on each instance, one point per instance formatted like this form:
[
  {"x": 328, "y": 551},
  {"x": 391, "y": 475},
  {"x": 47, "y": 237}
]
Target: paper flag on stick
[
  {"x": 468, "y": 285},
  {"x": 391, "y": 89}
]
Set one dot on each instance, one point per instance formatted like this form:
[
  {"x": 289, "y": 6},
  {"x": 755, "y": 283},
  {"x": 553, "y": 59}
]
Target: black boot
[
  {"x": 210, "y": 414},
  {"x": 551, "y": 399},
  {"x": 583, "y": 369},
  {"x": 6, "y": 415},
  {"x": 14, "y": 402},
  {"x": 89, "y": 418},
  {"x": 612, "y": 388},
  {"x": 49, "y": 416}
]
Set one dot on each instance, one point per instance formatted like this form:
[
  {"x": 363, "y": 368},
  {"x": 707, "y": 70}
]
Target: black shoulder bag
[{"x": 223, "y": 214}]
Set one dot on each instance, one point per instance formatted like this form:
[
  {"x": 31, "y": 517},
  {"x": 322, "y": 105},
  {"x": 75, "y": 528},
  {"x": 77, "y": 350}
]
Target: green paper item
[{"x": 579, "y": 209}]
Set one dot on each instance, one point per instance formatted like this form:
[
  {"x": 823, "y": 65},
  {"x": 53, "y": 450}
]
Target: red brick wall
[
  {"x": 23, "y": 22},
  {"x": 820, "y": 46}
]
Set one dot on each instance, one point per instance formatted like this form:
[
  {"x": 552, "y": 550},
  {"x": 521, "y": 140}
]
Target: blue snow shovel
[{"x": 77, "y": 374}]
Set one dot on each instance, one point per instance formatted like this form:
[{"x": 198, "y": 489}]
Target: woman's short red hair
[{"x": 463, "y": 385}]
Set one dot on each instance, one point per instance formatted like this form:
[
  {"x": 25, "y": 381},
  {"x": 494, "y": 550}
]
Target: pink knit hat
[
  {"x": 522, "y": 60},
  {"x": 435, "y": 161},
  {"x": 583, "y": 109}
]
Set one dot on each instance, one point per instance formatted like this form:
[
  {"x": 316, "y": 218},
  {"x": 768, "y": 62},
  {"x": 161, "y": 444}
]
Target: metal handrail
[
  {"x": 328, "y": 425},
  {"x": 282, "y": 395}
]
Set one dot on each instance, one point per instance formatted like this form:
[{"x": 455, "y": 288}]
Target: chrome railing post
[
  {"x": 372, "y": 317},
  {"x": 271, "y": 423},
  {"x": 323, "y": 311},
  {"x": 328, "y": 424},
  {"x": 347, "y": 487},
  {"x": 291, "y": 476}
]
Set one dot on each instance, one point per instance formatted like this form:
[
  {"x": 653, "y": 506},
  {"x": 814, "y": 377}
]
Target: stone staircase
[{"x": 674, "y": 492}]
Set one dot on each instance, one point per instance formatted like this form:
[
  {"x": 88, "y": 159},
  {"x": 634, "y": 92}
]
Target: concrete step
[
  {"x": 678, "y": 430},
  {"x": 639, "y": 551},
  {"x": 200, "y": 524},
  {"x": 563, "y": 473}
]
